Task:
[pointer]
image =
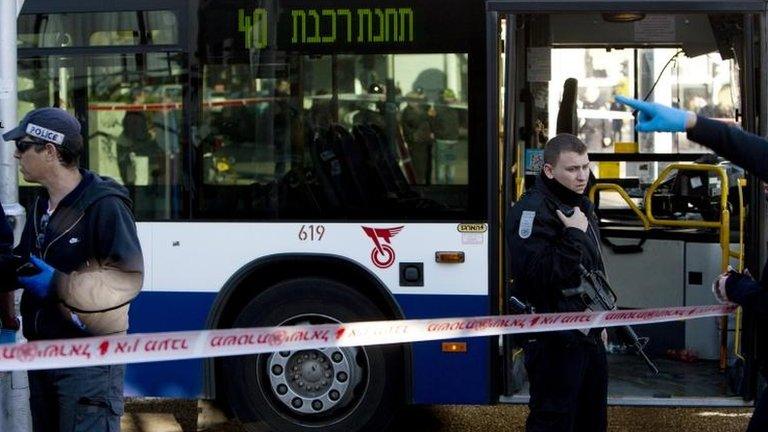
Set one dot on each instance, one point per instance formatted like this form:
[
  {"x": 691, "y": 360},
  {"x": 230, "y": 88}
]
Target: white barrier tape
[{"x": 150, "y": 347}]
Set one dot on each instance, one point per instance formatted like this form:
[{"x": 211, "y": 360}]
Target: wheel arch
[{"x": 258, "y": 275}]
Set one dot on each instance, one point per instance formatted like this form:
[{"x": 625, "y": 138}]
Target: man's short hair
[{"x": 561, "y": 143}]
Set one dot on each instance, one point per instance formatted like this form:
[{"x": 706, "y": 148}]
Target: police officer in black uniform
[
  {"x": 553, "y": 231},
  {"x": 748, "y": 151}
]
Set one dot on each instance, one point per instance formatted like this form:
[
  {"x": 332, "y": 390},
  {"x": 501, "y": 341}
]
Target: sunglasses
[{"x": 24, "y": 144}]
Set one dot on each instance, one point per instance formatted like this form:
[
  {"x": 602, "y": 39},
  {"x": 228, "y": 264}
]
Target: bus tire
[{"x": 366, "y": 385}]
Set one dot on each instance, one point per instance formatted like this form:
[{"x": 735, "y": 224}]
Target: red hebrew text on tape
[{"x": 137, "y": 348}]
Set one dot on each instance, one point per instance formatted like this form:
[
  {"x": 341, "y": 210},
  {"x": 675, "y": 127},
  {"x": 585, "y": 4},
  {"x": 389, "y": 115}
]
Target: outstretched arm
[{"x": 747, "y": 150}]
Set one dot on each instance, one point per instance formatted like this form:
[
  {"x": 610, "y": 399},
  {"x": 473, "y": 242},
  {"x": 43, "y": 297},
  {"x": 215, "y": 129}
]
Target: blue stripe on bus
[
  {"x": 167, "y": 311},
  {"x": 449, "y": 378},
  {"x": 438, "y": 378}
]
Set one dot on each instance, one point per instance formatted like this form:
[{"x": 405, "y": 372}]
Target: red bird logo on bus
[{"x": 382, "y": 255}]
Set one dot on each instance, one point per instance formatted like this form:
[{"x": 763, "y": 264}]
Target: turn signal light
[
  {"x": 454, "y": 347},
  {"x": 450, "y": 257}
]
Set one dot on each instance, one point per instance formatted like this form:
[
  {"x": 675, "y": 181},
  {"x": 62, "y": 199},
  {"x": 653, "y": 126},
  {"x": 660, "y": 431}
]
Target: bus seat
[
  {"x": 405, "y": 195},
  {"x": 299, "y": 194},
  {"x": 327, "y": 169},
  {"x": 388, "y": 152},
  {"x": 367, "y": 138},
  {"x": 351, "y": 159},
  {"x": 373, "y": 183}
]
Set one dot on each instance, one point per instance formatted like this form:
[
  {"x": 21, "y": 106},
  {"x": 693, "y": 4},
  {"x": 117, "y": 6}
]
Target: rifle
[{"x": 597, "y": 295}]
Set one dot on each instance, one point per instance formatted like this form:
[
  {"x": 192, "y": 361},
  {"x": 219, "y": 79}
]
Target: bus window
[
  {"x": 431, "y": 129},
  {"x": 134, "y": 106},
  {"x": 601, "y": 75},
  {"x": 45, "y": 30},
  {"x": 45, "y": 82},
  {"x": 703, "y": 84},
  {"x": 336, "y": 136},
  {"x": 235, "y": 133}
]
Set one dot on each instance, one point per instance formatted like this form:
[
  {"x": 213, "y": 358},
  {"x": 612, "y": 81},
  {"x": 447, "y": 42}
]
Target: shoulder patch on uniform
[{"x": 526, "y": 224}]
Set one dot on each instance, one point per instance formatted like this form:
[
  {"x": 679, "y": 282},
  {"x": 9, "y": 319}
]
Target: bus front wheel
[{"x": 331, "y": 389}]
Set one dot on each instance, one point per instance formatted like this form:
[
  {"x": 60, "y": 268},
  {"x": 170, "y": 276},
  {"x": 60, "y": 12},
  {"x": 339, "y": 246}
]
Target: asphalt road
[{"x": 163, "y": 415}]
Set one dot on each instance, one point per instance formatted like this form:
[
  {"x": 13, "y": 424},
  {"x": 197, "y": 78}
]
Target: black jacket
[
  {"x": 751, "y": 153},
  {"x": 7, "y": 263},
  {"x": 91, "y": 241},
  {"x": 545, "y": 254},
  {"x": 6, "y": 233}
]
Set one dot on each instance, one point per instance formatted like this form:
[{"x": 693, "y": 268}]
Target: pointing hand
[{"x": 655, "y": 117}]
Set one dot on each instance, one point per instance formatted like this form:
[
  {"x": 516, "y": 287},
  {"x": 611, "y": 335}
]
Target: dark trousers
[
  {"x": 759, "y": 420},
  {"x": 77, "y": 399},
  {"x": 568, "y": 386}
]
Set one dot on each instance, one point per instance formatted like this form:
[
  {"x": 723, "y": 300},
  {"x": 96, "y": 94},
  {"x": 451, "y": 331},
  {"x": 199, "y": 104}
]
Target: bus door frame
[{"x": 756, "y": 120}]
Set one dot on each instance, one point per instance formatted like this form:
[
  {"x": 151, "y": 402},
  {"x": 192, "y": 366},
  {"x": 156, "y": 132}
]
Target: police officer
[
  {"x": 746, "y": 150},
  {"x": 553, "y": 231},
  {"x": 87, "y": 266}
]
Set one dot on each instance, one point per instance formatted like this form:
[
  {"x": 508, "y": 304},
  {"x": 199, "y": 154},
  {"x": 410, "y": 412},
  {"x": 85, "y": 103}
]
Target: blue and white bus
[{"x": 331, "y": 161}]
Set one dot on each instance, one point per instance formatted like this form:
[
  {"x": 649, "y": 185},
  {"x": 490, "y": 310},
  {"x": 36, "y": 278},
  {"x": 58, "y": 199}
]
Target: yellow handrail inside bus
[
  {"x": 725, "y": 216},
  {"x": 740, "y": 256},
  {"x": 520, "y": 173},
  {"x": 616, "y": 188},
  {"x": 723, "y": 226}
]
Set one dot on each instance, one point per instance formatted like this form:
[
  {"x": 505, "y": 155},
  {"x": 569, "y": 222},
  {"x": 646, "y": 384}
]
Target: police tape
[{"x": 152, "y": 347}]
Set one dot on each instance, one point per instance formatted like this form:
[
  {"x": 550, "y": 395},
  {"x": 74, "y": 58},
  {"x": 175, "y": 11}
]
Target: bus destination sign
[{"x": 305, "y": 27}]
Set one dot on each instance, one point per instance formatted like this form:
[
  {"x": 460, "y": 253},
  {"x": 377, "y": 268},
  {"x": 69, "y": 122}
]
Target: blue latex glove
[
  {"x": 655, "y": 117},
  {"x": 38, "y": 284}
]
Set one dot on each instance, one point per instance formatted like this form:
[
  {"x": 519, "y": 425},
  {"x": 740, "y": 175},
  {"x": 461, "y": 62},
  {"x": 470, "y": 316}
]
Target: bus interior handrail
[{"x": 723, "y": 225}]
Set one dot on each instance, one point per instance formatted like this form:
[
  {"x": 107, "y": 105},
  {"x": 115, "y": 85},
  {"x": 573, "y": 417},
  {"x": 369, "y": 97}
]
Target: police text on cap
[{"x": 45, "y": 134}]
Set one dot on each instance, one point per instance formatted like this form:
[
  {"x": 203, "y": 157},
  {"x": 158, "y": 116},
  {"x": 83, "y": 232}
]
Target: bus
[{"x": 308, "y": 162}]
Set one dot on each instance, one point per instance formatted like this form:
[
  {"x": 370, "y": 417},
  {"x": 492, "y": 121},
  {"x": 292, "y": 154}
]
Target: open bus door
[{"x": 561, "y": 66}]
